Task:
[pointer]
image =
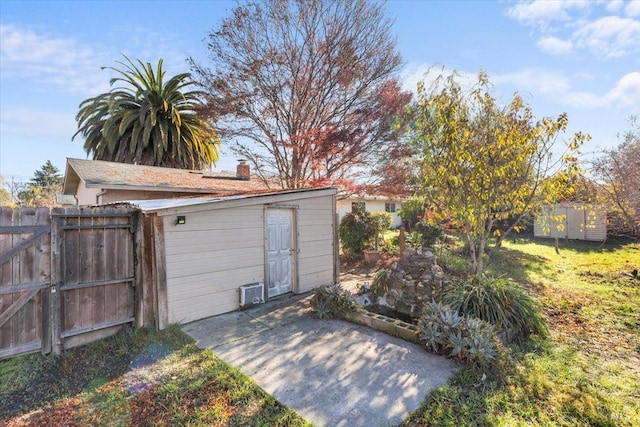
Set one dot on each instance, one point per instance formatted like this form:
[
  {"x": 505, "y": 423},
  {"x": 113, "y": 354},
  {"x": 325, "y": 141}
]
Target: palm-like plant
[{"x": 148, "y": 121}]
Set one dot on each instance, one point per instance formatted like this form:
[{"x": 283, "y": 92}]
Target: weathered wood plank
[
  {"x": 25, "y": 242},
  {"x": 17, "y": 304},
  {"x": 22, "y": 287},
  {"x": 98, "y": 265},
  {"x": 85, "y": 256},
  {"x": 20, "y": 349},
  {"x": 55, "y": 315},
  {"x": 149, "y": 294},
  {"x": 70, "y": 276},
  {"x": 6, "y": 275},
  {"x": 160, "y": 272},
  {"x": 22, "y": 229},
  {"x": 109, "y": 261}
]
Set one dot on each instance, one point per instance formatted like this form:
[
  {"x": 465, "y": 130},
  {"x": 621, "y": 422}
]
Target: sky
[{"x": 578, "y": 57}]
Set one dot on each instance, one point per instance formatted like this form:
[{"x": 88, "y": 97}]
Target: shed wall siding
[
  {"x": 315, "y": 240},
  {"x": 209, "y": 258},
  {"x": 576, "y": 221},
  {"x": 219, "y": 250}
]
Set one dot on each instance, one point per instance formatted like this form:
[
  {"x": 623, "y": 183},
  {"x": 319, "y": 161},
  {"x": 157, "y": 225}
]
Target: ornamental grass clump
[
  {"x": 445, "y": 331},
  {"x": 500, "y": 302},
  {"x": 333, "y": 301}
]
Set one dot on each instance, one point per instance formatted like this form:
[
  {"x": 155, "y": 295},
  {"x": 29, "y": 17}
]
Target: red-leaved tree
[{"x": 305, "y": 90}]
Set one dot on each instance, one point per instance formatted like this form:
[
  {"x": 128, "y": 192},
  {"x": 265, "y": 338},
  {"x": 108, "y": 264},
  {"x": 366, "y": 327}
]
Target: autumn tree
[
  {"x": 5, "y": 195},
  {"x": 618, "y": 172},
  {"x": 482, "y": 162},
  {"x": 305, "y": 90},
  {"x": 147, "y": 119}
]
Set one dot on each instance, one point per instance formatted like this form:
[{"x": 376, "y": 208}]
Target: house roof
[
  {"x": 167, "y": 206},
  {"x": 122, "y": 176},
  {"x": 374, "y": 197}
]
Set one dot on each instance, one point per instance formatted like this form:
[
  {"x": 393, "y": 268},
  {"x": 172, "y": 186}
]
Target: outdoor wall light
[{"x": 181, "y": 220}]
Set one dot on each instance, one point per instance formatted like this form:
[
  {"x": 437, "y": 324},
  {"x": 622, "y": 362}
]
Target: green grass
[
  {"x": 586, "y": 373},
  {"x": 134, "y": 378}
]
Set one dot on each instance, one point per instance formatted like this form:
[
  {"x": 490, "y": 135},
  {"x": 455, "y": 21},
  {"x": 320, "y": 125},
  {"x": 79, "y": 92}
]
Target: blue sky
[{"x": 579, "y": 57}]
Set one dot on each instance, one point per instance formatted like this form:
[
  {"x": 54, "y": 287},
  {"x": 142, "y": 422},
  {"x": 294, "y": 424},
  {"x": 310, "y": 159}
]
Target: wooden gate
[
  {"x": 66, "y": 277},
  {"x": 24, "y": 281},
  {"x": 93, "y": 273}
]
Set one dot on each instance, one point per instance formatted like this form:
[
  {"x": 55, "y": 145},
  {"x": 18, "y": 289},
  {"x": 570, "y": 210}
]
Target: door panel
[{"x": 279, "y": 251}]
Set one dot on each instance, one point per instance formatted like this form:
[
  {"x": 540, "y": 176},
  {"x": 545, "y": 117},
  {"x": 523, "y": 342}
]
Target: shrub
[
  {"x": 333, "y": 301},
  {"x": 445, "y": 331},
  {"x": 411, "y": 211},
  {"x": 500, "y": 302},
  {"x": 356, "y": 231},
  {"x": 381, "y": 221},
  {"x": 428, "y": 232}
]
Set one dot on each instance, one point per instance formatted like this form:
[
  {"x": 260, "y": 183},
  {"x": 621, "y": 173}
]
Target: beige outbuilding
[{"x": 207, "y": 256}]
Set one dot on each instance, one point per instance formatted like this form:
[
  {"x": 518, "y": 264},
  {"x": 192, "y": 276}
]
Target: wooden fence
[{"x": 67, "y": 276}]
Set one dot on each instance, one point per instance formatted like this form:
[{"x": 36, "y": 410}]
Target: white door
[{"x": 280, "y": 251}]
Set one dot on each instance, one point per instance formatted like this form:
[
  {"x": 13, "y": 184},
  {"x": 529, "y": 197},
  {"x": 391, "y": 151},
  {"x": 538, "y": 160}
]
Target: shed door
[{"x": 280, "y": 251}]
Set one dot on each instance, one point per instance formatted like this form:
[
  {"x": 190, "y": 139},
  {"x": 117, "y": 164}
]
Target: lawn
[
  {"x": 587, "y": 372},
  {"x": 134, "y": 378}
]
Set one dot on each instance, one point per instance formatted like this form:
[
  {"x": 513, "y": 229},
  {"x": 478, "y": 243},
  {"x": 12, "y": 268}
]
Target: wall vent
[{"x": 251, "y": 294}]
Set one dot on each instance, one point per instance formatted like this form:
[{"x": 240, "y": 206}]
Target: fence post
[{"x": 54, "y": 314}]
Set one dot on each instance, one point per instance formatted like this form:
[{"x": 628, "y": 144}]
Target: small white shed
[
  {"x": 576, "y": 221},
  {"x": 205, "y": 254}
]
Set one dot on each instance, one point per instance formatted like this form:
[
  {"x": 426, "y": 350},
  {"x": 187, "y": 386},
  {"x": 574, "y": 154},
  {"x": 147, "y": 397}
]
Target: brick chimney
[{"x": 243, "y": 171}]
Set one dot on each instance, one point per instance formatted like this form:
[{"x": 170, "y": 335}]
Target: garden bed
[{"x": 382, "y": 323}]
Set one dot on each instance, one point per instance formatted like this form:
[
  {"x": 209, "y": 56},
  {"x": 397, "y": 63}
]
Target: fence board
[{"x": 24, "y": 275}]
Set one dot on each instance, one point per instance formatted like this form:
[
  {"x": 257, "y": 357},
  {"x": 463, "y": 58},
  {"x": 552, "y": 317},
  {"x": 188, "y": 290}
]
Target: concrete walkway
[{"x": 331, "y": 372}]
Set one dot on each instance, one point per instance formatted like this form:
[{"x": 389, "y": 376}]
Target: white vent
[{"x": 251, "y": 294}]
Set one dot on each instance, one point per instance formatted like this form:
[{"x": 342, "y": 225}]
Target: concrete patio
[{"x": 331, "y": 372}]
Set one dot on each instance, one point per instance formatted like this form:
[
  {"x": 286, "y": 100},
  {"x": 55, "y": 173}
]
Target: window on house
[
  {"x": 357, "y": 206},
  {"x": 389, "y": 207}
]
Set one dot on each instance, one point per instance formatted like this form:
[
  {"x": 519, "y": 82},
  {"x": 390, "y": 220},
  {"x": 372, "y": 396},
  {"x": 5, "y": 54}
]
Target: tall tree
[
  {"x": 148, "y": 120},
  {"x": 618, "y": 171},
  {"x": 482, "y": 162},
  {"x": 47, "y": 176},
  {"x": 43, "y": 187},
  {"x": 304, "y": 90}
]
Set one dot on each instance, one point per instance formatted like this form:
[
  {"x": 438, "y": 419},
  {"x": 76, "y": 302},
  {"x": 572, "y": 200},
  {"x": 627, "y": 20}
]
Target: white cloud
[
  {"x": 608, "y": 31},
  {"x": 610, "y": 37},
  {"x": 61, "y": 61},
  {"x": 614, "y": 6},
  {"x": 626, "y": 93},
  {"x": 555, "y": 46},
  {"x": 633, "y": 8},
  {"x": 536, "y": 81},
  {"x": 541, "y": 12}
]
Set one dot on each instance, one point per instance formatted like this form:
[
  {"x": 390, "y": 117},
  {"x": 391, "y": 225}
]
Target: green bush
[
  {"x": 445, "y": 331},
  {"x": 333, "y": 301},
  {"x": 381, "y": 222},
  {"x": 356, "y": 231},
  {"x": 500, "y": 302},
  {"x": 411, "y": 211},
  {"x": 428, "y": 232}
]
